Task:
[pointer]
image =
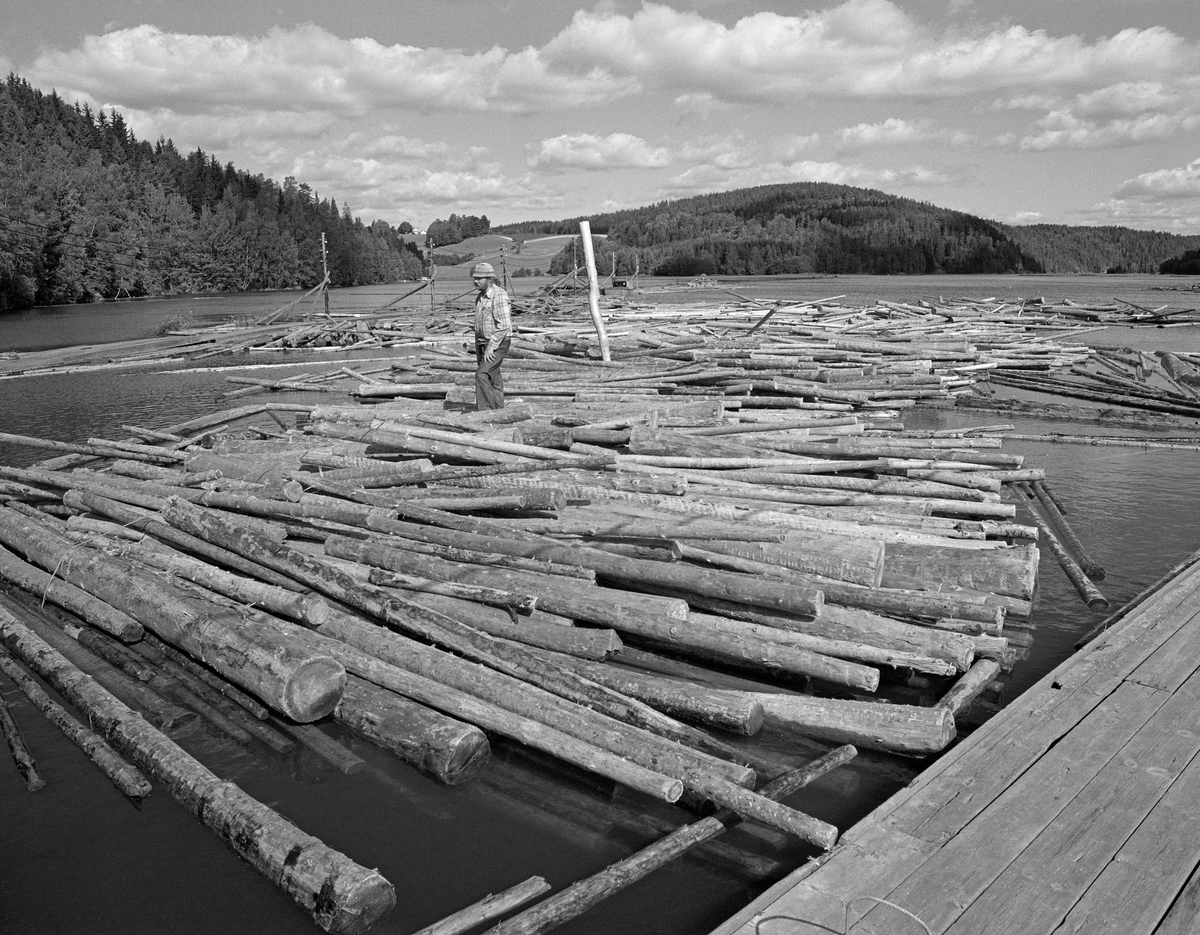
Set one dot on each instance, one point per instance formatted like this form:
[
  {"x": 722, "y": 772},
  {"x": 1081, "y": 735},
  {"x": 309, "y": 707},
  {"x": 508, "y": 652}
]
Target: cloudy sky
[{"x": 1065, "y": 111}]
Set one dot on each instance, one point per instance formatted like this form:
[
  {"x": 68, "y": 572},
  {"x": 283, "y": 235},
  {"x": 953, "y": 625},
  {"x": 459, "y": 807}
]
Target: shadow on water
[{"x": 78, "y": 858}]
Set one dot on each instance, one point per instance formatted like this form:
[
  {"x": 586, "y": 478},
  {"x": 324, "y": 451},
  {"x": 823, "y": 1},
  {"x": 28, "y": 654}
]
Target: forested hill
[
  {"x": 805, "y": 227},
  {"x": 1064, "y": 249},
  {"x": 89, "y": 211}
]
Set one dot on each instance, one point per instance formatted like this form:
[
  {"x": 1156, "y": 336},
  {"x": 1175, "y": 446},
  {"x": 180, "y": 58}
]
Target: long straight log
[
  {"x": 398, "y": 439},
  {"x": 967, "y": 688},
  {"x": 583, "y": 895},
  {"x": 430, "y": 625},
  {"x": 341, "y": 896},
  {"x": 267, "y": 661},
  {"x": 893, "y": 728},
  {"x": 693, "y": 637},
  {"x": 160, "y": 456},
  {"x": 1090, "y": 566},
  {"x": 128, "y": 779},
  {"x": 448, "y": 749},
  {"x": 724, "y": 710},
  {"x": 367, "y": 651},
  {"x": 154, "y": 526},
  {"x": 488, "y": 908},
  {"x": 77, "y": 601},
  {"x": 1011, "y": 571},
  {"x": 22, "y": 756},
  {"x": 776, "y": 595},
  {"x": 164, "y": 713},
  {"x": 1089, "y": 592}
]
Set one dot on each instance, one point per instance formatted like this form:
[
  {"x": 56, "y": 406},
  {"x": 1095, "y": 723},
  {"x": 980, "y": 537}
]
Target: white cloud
[
  {"x": 588, "y": 151},
  {"x": 1183, "y": 182},
  {"x": 310, "y": 69},
  {"x": 896, "y": 131},
  {"x": 1165, "y": 199},
  {"x": 1064, "y": 129},
  {"x": 863, "y": 48}
]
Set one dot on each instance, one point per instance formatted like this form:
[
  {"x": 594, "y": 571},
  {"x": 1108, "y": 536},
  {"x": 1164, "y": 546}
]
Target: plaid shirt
[{"x": 493, "y": 316}]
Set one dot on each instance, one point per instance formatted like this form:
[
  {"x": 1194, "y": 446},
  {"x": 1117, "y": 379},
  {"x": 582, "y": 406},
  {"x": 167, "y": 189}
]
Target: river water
[{"x": 78, "y": 858}]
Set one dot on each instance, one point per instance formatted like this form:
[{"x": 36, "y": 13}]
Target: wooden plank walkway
[{"x": 1076, "y": 809}]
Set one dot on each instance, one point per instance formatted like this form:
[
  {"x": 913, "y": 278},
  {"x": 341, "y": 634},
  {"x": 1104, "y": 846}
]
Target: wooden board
[{"x": 1068, "y": 809}]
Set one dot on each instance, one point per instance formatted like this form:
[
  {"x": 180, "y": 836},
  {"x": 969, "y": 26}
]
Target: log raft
[{"x": 673, "y": 496}]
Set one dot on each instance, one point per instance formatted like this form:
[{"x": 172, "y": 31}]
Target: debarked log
[
  {"x": 128, "y": 779},
  {"x": 434, "y": 743},
  {"x": 77, "y": 601},
  {"x": 1010, "y": 571},
  {"x": 893, "y": 728},
  {"x": 340, "y": 895},
  {"x": 269, "y": 662},
  {"x": 690, "y": 637},
  {"x": 713, "y": 707}
]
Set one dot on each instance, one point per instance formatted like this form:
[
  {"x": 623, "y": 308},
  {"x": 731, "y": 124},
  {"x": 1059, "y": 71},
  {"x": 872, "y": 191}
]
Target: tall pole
[
  {"x": 589, "y": 257},
  {"x": 325, "y": 270}
]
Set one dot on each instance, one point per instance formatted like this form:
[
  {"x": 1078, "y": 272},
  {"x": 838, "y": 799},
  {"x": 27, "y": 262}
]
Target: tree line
[
  {"x": 1068, "y": 249},
  {"x": 798, "y": 228},
  {"x": 811, "y": 227},
  {"x": 88, "y": 211}
]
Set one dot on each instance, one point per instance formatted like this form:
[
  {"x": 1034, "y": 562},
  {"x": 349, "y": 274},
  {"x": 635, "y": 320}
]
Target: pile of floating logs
[{"x": 634, "y": 568}]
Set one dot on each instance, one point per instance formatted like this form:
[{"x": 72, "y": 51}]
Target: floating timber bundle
[{"x": 637, "y": 568}]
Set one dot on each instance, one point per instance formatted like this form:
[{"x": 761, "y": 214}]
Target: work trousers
[{"x": 489, "y": 382}]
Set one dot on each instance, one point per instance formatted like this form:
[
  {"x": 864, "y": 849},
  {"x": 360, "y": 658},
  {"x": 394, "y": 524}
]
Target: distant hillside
[
  {"x": 806, "y": 227},
  {"x": 1063, "y": 249},
  {"x": 89, "y": 211}
]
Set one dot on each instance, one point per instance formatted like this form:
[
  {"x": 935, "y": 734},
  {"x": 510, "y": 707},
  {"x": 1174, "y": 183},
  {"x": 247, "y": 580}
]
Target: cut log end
[
  {"x": 466, "y": 760},
  {"x": 355, "y": 910},
  {"x": 314, "y": 690}
]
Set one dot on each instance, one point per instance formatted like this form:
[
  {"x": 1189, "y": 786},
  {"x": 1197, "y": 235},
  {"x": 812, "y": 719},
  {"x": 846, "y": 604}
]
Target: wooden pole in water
[
  {"x": 22, "y": 757},
  {"x": 589, "y": 258},
  {"x": 1089, "y": 592},
  {"x": 583, "y": 895},
  {"x": 126, "y": 778},
  {"x": 268, "y": 661},
  {"x": 1090, "y": 566},
  {"x": 488, "y": 908},
  {"x": 342, "y": 897}
]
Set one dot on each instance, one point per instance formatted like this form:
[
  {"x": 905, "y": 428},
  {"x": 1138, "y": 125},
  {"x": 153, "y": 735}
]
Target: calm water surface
[{"x": 78, "y": 858}]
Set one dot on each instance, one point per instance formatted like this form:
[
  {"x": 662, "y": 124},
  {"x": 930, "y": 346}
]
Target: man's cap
[{"x": 482, "y": 269}]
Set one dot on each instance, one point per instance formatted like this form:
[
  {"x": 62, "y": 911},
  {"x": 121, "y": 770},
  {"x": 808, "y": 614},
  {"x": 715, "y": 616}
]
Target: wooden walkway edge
[{"x": 1071, "y": 811}]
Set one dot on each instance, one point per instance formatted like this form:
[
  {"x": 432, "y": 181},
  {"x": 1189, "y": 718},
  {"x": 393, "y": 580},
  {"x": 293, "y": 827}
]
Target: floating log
[
  {"x": 70, "y": 598},
  {"x": 21, "y": 754},
  {"x": 967, "y": 688},
  {"x": 270, "y": 662},
  {"x": 724, "y": 710},
  {"x": 488, "y": 908},
  {"x": 1010, "y": 571},
  {"x": 125, "y": 777},
  {"x": 581, "y": 896},
  {"x": 695, "y": 637},
  {"x": 1089, "y": 592},
  {"x": 164, "y": 713},
  {"x": 449, "y": 750},
  {"x": 893, "y": 728},
  {"x": 1090, "y": 567},
  {"x": 341, "y": 896}
]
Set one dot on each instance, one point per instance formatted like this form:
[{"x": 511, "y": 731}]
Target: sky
[{"x": 1022, "y": 111}]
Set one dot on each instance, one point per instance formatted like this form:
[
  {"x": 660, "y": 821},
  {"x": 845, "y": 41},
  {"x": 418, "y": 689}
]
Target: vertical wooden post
[
  {"x": 589, "y": 257},
  {"x": 325, "y": 269}
]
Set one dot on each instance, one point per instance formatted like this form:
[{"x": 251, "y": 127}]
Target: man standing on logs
[{"x": 493, "y": 335}]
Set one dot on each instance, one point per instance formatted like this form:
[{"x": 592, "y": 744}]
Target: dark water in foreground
[{"x": 78, "y": 858}]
